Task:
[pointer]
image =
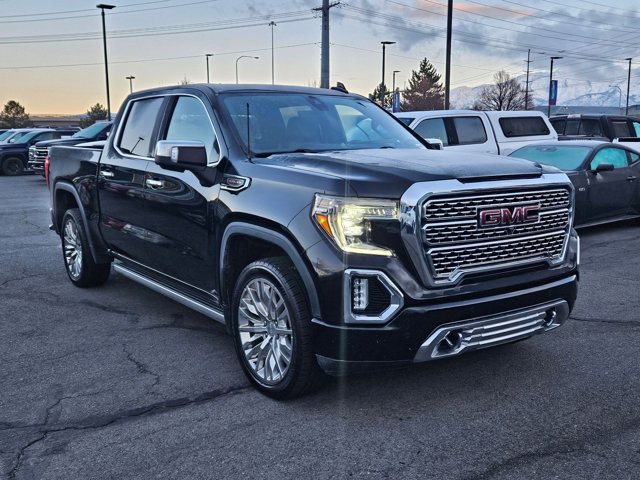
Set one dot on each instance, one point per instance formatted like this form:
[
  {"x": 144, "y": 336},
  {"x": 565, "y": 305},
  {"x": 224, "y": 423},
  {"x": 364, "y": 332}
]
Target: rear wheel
[
  {"x": 81, "y": 269},
  {"x": 12, "y": 166},
  {"x": 272, "y": 329}
]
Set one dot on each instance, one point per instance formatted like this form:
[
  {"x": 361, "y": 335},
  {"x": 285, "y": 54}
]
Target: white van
[{"x": 499, "y": 132}]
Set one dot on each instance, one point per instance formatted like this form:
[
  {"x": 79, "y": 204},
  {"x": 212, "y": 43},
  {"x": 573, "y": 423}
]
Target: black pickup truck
[{"x": 318, "y": 228}]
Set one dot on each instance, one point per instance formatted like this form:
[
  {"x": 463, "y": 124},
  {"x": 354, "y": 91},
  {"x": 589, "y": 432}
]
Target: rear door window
[
  {"x": 590, "y": 128},
  {"x": 572, "y": 127},
  {"x": 137, "y": 133},
  {"x": 470, "y": 130},
  {"x": 558, "y": 125},
  {"x": 433, "y": 128},
  {"x": 523, "y": 126}
]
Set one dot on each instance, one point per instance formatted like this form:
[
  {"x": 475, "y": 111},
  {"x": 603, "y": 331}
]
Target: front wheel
[
  {"x": 272, "y": 329},
  {"x": 81, "y": 269},
  {"x": 12, "y": 166}
]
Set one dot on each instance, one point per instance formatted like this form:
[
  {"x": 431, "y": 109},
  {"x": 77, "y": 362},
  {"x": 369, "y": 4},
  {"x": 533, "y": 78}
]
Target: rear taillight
[{"x": 46, "y": 171}]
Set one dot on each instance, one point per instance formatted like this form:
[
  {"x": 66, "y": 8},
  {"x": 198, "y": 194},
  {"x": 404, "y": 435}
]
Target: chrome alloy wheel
[
  {"x": 265, "y": 330},
  {"x": 72, "y": 249}
]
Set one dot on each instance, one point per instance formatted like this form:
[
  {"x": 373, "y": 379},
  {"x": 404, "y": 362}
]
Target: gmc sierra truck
[{"x": 320, "y": 230}]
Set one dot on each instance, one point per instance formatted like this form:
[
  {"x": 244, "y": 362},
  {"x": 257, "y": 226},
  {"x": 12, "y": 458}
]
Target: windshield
[
  {"x": 282, "y": 123},
  {"x": 90, "y": 132},
  {"x": 25, "y": 137},
  {"x": 18, "y": 136},
  {"x": 6, "y": 134},
  {"x": 564, "y": 157}
]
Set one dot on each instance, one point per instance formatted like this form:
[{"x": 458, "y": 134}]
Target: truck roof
[{"x": 218, "y": 88}]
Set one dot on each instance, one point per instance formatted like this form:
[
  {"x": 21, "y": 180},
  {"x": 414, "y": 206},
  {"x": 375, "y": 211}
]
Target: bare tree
[{"x": 506, "y": 93}]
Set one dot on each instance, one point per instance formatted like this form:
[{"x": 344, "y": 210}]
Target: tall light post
[
  {"x": 394, "y": 80},
  {"x": 620, "y": 95},
  {"x": 272, "y": 24},
  {"x": 551, "y": 84},
  {"x": 393, "y": 94},
  {"x": 207, "y": 55},
  {"x": 447, "y": 68},
  {"x": 382, "y": 85},
  {"x": 626, "y": 112},
  {"x": 242, "y": 56},
  {"x": 103, "y": 7},
  {"x": 130, "y": 78}
]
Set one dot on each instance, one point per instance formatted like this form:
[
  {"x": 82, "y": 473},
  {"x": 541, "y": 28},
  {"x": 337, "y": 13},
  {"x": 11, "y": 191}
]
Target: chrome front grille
[
  {"x": 466, "y": 207},
  {"x": 454, "y": 243}
]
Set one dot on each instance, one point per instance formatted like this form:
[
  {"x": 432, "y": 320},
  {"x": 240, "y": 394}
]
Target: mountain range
[{"x": 587, "y": 94}]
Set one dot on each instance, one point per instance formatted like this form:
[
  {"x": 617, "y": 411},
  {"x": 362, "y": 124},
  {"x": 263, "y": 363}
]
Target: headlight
[{"x": 348, "y": 221}]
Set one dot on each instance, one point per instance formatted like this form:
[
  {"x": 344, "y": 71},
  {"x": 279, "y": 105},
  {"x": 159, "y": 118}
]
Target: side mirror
[
  {"x": 435, "y": 143},
  {"x": 603, "y": 167},
  {"x": 182, "y": 154}
]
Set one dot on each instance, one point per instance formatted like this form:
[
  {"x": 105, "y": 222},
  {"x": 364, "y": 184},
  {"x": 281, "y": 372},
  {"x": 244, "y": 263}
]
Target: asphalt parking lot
[{"x": 119, "y": 382}]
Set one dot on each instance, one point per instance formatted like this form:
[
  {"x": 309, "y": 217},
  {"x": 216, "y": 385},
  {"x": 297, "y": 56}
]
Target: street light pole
[
  {"x": 130, "y": 78},
  {"x": 626, "y": 112},
  {"x": 394, "y": 80},
  {"x": 207, "y": 55},
  {"x": 242, "y": 56},
  {"x": 551, "y": 85},
  {"x": 447, "y": 68},
  {"x": 383, "y": 88},
  {"x": 103, "y": 7},
  {"x": 272, "y": 24}
]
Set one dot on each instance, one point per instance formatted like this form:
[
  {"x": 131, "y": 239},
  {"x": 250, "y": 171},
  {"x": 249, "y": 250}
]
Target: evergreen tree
[
  {"x": 14, "y": 116},
  {"x": 387, "y": 95},
  {"x": 425, "y": 92},
  {"x": 505, "y": 93},
  {"x": 95, "y": 113}
]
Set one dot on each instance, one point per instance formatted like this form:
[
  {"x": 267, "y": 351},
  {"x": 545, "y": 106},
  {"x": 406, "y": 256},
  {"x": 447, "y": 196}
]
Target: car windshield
[
  {"x": 18, "y": 136},
  {"x": 90, "y": 132},
  {"x": 564, "y": 157},
  {"x": 285, "y": 123},
  {"x": 6, "y": 135},
  {"x": 25, "y": 137}
]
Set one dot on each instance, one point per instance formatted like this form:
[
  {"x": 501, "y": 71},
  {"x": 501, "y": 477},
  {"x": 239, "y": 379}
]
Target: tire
[
  {"x": 271, "y": 327},
  {"x": 12, "y": 166},
  {"x": 81, "y": 269}
]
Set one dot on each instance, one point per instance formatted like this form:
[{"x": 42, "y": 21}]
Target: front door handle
[
  {"x": 631, "y": 178},
  {"x": 107, "y": 174},
  {"x": 151, "y": 183}
]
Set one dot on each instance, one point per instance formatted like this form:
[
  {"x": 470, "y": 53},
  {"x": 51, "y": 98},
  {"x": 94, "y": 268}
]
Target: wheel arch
[
  {"x": 65, "y": 196},
  {"x": 272, "y": 242}
]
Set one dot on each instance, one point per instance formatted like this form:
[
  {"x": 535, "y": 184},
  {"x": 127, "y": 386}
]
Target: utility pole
[
  {"x": 103, "y": 7},
  {"x": 447, "y": 73},
  {"x": 272, "y": 24},
  {"x": 526, "y": 88},
  {"x": 130, "y": 78},
  {"x": 628, "y": 85},
  {"x": 383, "y": 86},
  {"x": 207, "y": 55},
  {"x": 324, "y": 58}
]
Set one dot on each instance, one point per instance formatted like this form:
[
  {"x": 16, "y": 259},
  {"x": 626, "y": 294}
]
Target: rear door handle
[
  {"x": 107, "y": 174},
  {"x": 151, "y": 183},
  {"x": 631, "y": 178}
]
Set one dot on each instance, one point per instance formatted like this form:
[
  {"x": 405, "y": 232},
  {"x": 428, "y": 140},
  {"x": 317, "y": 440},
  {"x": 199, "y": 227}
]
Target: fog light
[{"x": 360, "y": 293}]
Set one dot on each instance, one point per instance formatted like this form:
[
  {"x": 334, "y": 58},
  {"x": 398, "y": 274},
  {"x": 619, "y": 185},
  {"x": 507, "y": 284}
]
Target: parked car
[
  {"x": 320, "y": 230},
  {"x": 14, "y": 134},
  {"x": 14, "y": 155},
  {"x": 611, "y": 128},
  {"x": 39, "y": 151},
  {"x": 606, "y": 177},
  {"x": 499, "y": 132}
]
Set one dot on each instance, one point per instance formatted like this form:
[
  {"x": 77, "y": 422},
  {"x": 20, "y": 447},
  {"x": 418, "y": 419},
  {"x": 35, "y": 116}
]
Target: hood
[
  {"x": 389, "y": 172},
  {"x": 62, "y": 141}
]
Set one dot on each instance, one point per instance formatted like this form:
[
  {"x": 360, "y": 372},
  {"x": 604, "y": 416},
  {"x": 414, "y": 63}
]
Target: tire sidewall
[
  {"x": 12, "y": 161},
  {"x": 251, "y": 272}
]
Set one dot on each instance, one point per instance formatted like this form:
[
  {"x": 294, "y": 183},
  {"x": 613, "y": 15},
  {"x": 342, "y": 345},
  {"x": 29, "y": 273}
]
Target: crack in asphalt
[
  {"x": 558, "y": 448},
  {"x": 98, "y": 422},
  {"x": 626, "y": 323},
  {"x": 19, "y": 279},
  {"x": 141, "y": 367}
]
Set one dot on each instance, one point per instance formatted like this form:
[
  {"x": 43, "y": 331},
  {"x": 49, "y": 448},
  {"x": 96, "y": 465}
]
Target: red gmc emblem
[{"x": 507, "y": 216}]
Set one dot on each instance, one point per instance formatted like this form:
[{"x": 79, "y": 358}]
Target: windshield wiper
[{"x": 299, "y": 150}]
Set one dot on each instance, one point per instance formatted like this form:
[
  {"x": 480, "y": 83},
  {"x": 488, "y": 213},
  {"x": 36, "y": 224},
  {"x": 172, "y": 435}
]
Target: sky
[{"x": 52, "y": 57}]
